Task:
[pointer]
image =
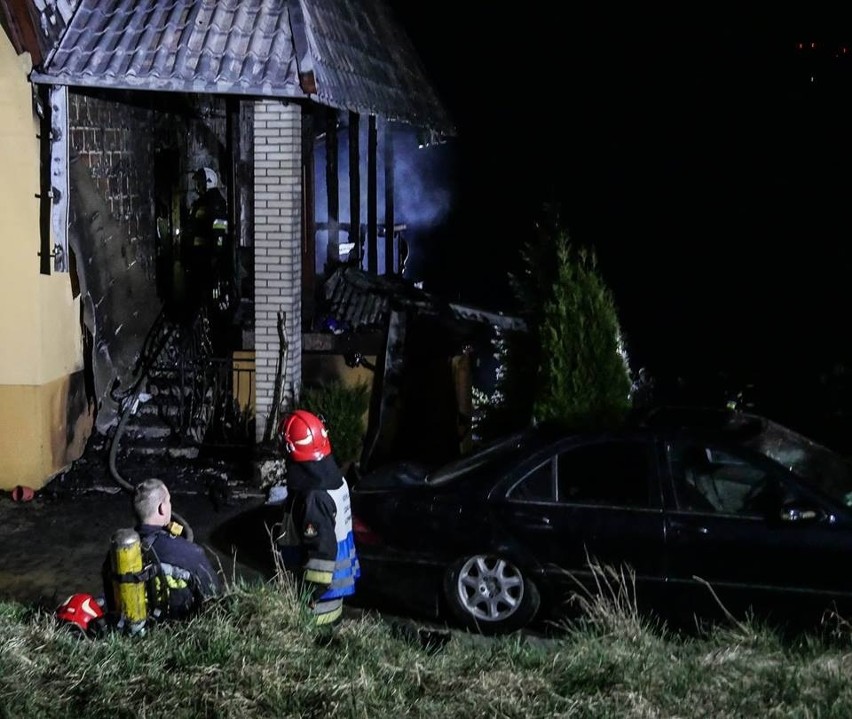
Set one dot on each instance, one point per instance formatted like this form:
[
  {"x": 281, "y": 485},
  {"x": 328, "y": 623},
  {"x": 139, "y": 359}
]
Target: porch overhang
[{"x": 345, "y": 54}]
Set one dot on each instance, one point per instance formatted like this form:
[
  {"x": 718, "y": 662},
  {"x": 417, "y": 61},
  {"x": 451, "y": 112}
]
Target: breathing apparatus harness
[{"x": 145, "y": 589}]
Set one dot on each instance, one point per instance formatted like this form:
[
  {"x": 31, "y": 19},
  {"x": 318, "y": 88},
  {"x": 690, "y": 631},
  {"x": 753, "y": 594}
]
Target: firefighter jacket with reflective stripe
[
  {"x": 186, "y": 569},
  {"x": 209, "y": 221},
  {"x": 325, "y": 558}
]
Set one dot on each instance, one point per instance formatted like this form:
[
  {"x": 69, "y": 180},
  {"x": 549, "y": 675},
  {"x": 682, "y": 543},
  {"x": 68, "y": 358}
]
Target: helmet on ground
[
  {"x": 80, "y": 610},
  {"x": 208, "y": 176},
  {"x": 304, "y": 436}
]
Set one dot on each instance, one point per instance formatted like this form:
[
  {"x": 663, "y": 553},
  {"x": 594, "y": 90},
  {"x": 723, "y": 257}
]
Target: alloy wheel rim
[{"x": 489, "y": 588}]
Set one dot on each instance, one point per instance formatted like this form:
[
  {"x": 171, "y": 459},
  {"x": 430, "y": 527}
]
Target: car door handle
[
  {"x": 682, "y": 528},
  {"x": 534, "y": 520}
]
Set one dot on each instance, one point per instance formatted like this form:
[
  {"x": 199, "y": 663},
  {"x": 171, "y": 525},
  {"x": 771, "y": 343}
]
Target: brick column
[{"x": 277, "y": 250}]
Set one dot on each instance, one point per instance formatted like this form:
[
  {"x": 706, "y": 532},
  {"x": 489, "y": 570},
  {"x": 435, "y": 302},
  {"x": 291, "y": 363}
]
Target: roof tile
[{"x": 361, "y": 58}]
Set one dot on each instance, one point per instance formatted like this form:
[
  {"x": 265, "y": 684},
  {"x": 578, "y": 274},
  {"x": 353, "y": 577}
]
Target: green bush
[{"x": 342, "y": 407}]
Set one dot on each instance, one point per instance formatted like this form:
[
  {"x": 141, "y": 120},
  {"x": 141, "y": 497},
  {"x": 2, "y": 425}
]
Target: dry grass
[
  {"x": 253, "y": 653},
  {"x": 610, "y": 607}
]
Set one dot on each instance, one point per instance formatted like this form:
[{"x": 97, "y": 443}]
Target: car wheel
[{"x": 490, "y": 594}]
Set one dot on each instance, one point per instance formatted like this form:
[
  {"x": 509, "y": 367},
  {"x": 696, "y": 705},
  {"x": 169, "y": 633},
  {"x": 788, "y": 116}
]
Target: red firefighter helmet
[
  {"x": 80, "y": 610},
  {"x": 304, "y": 436}
]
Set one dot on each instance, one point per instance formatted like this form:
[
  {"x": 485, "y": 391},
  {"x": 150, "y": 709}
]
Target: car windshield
[
  {"x": 499, "y": 451},
  {"x": 818, "y": 466}
]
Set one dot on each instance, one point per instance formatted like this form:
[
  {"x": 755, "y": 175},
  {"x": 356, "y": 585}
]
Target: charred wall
[
  {"x": 114, "y": 140},
  {"x": 112, "y": 235},
  {"x": 131, "y": 155}
]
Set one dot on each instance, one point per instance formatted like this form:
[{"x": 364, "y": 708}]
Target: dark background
[{"x": 705, "y": 158}]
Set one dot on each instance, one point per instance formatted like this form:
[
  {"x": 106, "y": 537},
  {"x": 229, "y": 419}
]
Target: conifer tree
[
  {"x": 583, "y": 376},
  {"x": 580, "y": 376}
]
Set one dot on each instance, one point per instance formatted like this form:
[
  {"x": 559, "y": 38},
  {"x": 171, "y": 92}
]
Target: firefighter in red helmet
[
  {"x": 316, "y": 540},
  {"x": 305, "y": 437}
]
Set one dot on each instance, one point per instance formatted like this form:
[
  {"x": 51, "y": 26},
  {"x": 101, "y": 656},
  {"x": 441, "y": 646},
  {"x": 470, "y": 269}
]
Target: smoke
[
  {"x": 422, "y": 195},
  {"x": 423, "y": 184}
]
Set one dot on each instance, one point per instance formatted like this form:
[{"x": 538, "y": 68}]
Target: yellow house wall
[
  {"x": 41, "y": 344},
  {"x": 35, "y": 444}
]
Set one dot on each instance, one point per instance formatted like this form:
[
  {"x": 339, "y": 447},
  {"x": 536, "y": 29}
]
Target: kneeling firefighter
[
  {"x": 316, "y": 542},
  {"x": 142, "y": 589},
  {"x": 137, "y": 589},
  {"x": 152, "y": 573}
]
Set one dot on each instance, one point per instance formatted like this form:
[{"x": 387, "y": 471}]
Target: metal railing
[
  {"x": 216, "y": 400},
  {"x": 205, "y": 400}
]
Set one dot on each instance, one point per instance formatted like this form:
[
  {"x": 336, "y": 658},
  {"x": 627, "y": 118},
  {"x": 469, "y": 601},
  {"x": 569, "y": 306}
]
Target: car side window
[
  {"x": 709, "y": 479},
  {"x": 537, "y": 486},
  {"x": 614, "y": 472}
]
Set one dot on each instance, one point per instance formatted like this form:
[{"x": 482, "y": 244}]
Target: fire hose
[{"x": 121, "y": 481}]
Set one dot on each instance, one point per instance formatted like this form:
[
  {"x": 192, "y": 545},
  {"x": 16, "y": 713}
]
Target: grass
[{"x": 253, "y": 653}]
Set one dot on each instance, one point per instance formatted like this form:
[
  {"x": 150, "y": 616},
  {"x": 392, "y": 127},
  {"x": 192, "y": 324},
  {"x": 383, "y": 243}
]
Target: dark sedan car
[{"x": 710, "y": 512}]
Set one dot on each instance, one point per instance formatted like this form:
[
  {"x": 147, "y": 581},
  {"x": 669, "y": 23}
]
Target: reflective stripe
[
  {"x": 170, "y": 570},
  {"x": 327, "y": 612},
  {"x": 330, "y": 617},
  {"x": 171, "y": 591},
  {"x": 317, "y": 577},
  {"x": 320, "y": 565}
]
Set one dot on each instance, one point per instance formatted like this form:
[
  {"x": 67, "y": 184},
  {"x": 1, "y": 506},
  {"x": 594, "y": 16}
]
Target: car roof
[
  {"x": 509, "y": 449},
  {"x": 667, "y": 421}
]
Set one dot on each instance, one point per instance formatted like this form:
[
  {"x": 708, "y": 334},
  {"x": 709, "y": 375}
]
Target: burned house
[
  {"x": 294, "y": 108},
  {"x": 114, "y": 108},
  {"x": 130, "y": 100}
]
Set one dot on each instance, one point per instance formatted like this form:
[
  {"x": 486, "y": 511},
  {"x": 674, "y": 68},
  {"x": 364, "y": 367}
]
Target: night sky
[{"x": 707, "y": 161}]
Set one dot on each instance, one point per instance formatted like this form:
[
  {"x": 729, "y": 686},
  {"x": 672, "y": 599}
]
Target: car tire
[{"x": 489, "y": 594}]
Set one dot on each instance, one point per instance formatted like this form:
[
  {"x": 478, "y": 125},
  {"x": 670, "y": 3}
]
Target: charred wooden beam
[
  {"x": 355, "y": 187},
  {"x": 332, "y": 184},
  {"x": 372, "y": 198},
  {"x": 389, "y": 188}
]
